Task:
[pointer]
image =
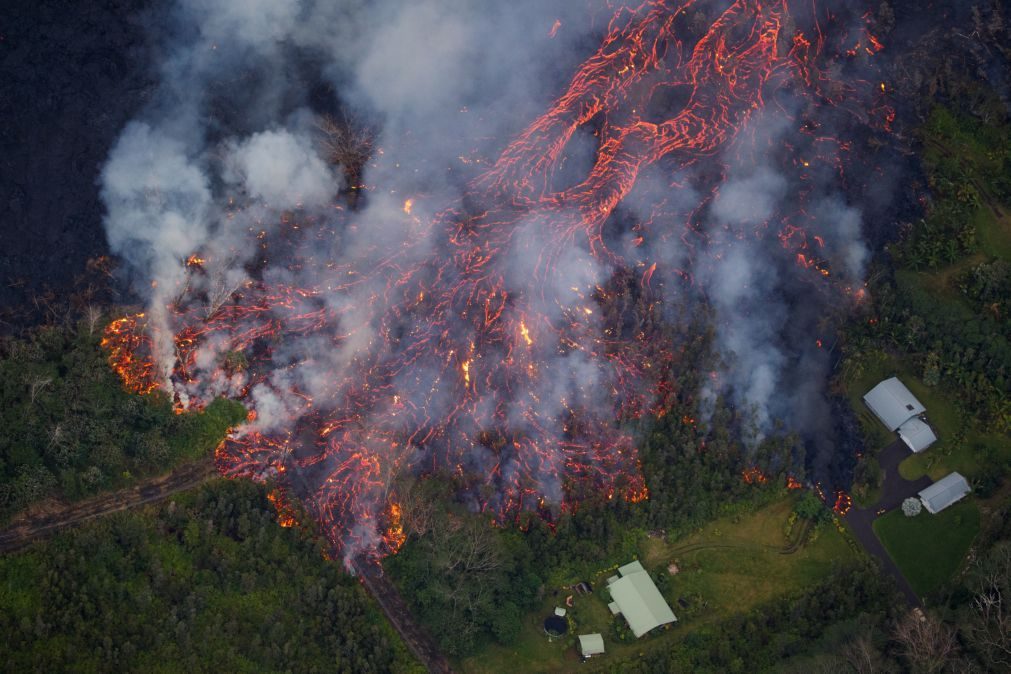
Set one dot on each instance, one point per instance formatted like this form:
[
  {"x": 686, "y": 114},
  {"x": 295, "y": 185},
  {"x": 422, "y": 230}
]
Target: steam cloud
[{"x": 228, "y": 149}]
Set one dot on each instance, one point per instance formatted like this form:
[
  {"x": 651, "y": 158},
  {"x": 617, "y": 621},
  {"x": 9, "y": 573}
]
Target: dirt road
[{"x": 26, "y": 530}]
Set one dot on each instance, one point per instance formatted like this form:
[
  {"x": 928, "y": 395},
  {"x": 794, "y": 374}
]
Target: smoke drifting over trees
[{"x": 230, "y": 162}]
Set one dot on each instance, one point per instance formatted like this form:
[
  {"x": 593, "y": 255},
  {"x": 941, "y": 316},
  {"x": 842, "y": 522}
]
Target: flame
[
  {"x": 285, "y": 515},
  {"x": 394, "y": 536},
  {"x": 126, "y": 344},
  {"x": 525, "y": 333},
  {"x": 408, "y": 205},
  {"x": 843, "y": 503}
]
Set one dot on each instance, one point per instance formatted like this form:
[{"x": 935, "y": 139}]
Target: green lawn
[
  {"x": 728, "y": 567},
  {"x": 929, "y": 548}
]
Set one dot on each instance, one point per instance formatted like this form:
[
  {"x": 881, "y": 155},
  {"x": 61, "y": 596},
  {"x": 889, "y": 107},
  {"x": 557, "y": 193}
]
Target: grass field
[
  {"x": 929, "y": 548},
  {"x": 728, "y": 567}
]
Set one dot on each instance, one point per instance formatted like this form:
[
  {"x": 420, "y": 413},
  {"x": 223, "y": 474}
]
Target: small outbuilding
[
  {"x": 893, "y": 403},
  {"x": 638, "y": 599},
  {"x": 591, "y": 644},
  {"x": 949, "y": 489},
  {"x": 917, "y": 434}
]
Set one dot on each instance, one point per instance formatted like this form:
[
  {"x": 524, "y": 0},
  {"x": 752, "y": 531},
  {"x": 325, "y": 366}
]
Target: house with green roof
[{"x": 635, "y": 596}]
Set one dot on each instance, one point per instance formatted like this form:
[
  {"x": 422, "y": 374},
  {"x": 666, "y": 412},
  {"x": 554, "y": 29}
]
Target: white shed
[
  {"x": 949, "y": 489},
  {"x": 591, "y": 644},
  {"x": 893, "y": 403},
  {"x": 917, "y": 434}
]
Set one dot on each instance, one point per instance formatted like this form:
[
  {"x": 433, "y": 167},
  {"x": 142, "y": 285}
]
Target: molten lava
[{"x": 454, "y": 368}]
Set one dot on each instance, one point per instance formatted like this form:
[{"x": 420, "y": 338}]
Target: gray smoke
[{"x": 229, "y": 149}]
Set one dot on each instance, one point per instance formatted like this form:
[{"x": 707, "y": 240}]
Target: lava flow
[{"x": 482, "y": 349}]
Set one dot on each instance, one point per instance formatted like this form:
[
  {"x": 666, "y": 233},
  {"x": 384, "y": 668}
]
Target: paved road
[{"x": 893, "y": 492}]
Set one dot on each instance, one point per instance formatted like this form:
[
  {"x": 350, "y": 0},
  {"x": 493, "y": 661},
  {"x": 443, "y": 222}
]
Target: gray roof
[
  {"x": 944, "y": 492},
  {"x": 893, "y": 403},
  {"x": 591, "y": 644},
  {"x": 639, "y": 600},
  {"x": 917, "y": 434}
]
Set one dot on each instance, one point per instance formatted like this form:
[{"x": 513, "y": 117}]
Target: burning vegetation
[{"x": 504, "y": 339}]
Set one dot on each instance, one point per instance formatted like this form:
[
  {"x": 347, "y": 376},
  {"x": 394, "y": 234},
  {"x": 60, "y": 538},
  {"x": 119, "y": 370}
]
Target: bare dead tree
[
  {"x": 416, "y": 509},
  {"x": 92, "y": 318},
  {"x": 926, "y": 643},
  {"x": 56, "y": 435},
  {"x": 347, "y": 143},
  {"x": 36, "y": 385},
  {"x": 862, "y": 656},
  {"x": 221, "y": 290},
  {"x": 990, "y": 627},
  {"x": 473, "y": 551}
]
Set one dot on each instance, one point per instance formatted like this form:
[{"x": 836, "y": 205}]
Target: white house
[
  {"x": 949, "y": 489},
  {"x": 917, "y": 434},
  {"x": 899, "y": 410}
]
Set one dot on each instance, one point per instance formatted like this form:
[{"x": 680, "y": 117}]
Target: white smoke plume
[{"x": 228, "y": 155}]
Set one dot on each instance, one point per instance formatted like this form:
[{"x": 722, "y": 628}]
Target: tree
[
  {"x": 92, "y": 318},
  {"x": 862, "y": 655},
  {"x": 810, "y": 507},
  {"x": 347, "y": 143},
  {"x": 911, "y": 507},
  {"x": 989, "y": 625},
  {"x": 926, "y": 643}
]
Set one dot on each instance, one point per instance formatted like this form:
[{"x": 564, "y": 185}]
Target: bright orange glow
[
  {"x": 394, "y": 536},
  {"x": 126, "y": 344},
  {"x": 285, "y": 515},
  {"x": 525, "y": 333}
]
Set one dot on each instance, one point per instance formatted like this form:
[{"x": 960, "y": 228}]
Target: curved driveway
[{"x": 894, "y": 491}]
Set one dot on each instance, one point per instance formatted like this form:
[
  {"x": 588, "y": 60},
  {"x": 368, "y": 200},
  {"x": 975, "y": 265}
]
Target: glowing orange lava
[{"x": 442, "y": 369}]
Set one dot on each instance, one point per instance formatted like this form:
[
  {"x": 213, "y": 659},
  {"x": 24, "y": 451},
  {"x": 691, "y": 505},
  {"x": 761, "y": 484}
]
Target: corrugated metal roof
[
  {"x": 640, "y": 601},
  {"x": 591, "y": 644},
  {"x": 944, "y": 492},
  {"x": 917, "y": 434},
  {"x": 893, "y": 403},
  {"x": 632, "y": 567}
]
